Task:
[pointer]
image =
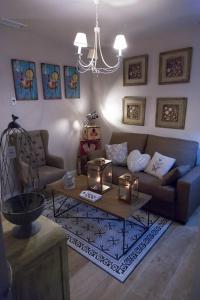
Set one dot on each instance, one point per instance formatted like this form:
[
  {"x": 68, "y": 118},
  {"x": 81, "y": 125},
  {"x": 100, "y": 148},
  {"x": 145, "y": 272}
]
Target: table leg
[
  {"x": 53, "y": 199},
  {"x": 123, "y": 232}
]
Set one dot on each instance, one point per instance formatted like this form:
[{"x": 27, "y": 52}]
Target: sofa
[{"x": 177, "y": 201}]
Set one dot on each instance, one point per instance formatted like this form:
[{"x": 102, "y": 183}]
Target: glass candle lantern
[
  {"x": 99, "y": 174},
  {"x": 128, "y": 187}
]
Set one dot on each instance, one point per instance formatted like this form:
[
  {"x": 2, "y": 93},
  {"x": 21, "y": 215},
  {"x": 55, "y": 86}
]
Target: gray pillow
[
  {"x": 117, "y": 153},
  {"x": 174, "y": 174}
]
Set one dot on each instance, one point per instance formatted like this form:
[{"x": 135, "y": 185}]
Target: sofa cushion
[
  {"x": 136, "y": 161},
  {"x": 151, "y": 185},
  {"x": 134, "y": 140},
  {"x": 117, "y": 153},
  {"x": 174, "y": 174},
  {"x": 148, "y": 184},
  {"x": 118, "y": 171},
  {"x": 159, "y": 165},
  {"x": 184, "y": 151}
]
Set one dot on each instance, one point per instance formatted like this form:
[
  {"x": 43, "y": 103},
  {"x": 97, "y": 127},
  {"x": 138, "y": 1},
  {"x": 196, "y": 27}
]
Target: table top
[{"x": 109, "y": 201}]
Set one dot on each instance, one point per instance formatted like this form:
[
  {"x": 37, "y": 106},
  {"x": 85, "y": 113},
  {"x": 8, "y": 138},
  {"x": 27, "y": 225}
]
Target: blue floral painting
[
  {"x": 24, "y": 76},
  {"x": 51, "y": 81},
  {"x": 72, "y": 82}
]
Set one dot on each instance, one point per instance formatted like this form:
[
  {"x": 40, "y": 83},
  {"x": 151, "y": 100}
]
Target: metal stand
[{"x": 57, "y": 213}]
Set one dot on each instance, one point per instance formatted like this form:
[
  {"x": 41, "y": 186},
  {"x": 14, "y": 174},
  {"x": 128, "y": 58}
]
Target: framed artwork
[
  {"x": 24, "y": 77},
  {"x": 175, "y": 66},
  {"x": 51, "y": 81},
  {"x": 71, "y": 82},
  {"x": 171, "y": 112},
  {"x": 134, "y": 110},
  {"x": 135, "y": 70}
]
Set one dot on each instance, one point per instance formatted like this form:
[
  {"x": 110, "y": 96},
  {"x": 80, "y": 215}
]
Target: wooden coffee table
[{"x": 108, "y": 203}]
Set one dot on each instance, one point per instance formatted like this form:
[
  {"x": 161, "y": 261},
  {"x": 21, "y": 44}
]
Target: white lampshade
[
  {"x": 120, "y": 42},
  {"x": 91, "y": 53},
  {"x": 80, "y": 40}
]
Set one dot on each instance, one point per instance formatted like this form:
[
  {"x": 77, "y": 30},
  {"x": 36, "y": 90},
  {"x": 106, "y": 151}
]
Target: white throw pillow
[
  {"x": 159, "y": 165},
  {"x": 136, "y": 161},
  {"x": 117, "y": 153}
]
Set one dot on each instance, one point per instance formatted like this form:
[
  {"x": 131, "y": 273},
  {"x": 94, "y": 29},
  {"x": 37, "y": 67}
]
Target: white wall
[
  {"x": 109, "y": 89},
  {"x": 63, "y": 118}
]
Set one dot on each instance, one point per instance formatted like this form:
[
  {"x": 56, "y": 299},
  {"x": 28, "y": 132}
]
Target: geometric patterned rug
[{"x": 101, "y": 241}]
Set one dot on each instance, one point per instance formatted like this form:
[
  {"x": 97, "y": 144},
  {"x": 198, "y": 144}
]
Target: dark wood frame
[
  {"x": 160, "y": 123},
  {"x": 127, "y": 100},
  {"x": 145, "y": 71},
  {"x": 189, "y": 51}
]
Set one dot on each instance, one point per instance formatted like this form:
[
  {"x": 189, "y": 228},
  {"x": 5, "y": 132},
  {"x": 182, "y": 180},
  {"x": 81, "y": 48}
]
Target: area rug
[{"x": 101, "y": 241}]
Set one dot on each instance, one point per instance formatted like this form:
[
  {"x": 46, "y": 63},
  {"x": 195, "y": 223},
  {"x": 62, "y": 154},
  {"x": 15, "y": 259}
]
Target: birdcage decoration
[{"x": 21, "y": 204}]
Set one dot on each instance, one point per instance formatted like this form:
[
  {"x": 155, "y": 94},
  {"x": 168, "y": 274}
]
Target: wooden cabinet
[{"x": 39, "y": 264}]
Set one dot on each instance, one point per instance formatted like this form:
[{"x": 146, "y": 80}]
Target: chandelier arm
[
  {"x": 83, "y": 64},
  {"x": 107, "y": 65},
  {"x": 107, "y": 70}
]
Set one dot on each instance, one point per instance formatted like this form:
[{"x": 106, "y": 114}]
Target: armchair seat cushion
[{"x": 48, "y": 174}]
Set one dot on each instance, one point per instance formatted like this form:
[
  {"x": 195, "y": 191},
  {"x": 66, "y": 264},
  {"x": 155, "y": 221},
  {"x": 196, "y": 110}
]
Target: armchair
[{"x": 49, "y": 167}]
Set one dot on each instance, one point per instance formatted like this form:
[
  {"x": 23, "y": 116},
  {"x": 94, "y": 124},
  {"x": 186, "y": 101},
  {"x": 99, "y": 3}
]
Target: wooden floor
[{"x": 170, "y": 271}]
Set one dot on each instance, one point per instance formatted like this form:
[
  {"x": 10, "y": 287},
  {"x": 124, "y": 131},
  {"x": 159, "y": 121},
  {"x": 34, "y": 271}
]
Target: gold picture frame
[
  {"x": 171, "y": 112},
  {"x": 134, "y": 110},
  {"x": 175, "y": 66},
  {"x": 135, "y": 70}
]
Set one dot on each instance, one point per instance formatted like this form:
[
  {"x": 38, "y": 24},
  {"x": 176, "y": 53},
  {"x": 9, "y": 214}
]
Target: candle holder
[
  {"x": 128, "y": 187},
  {"x": 99, "y": 175}
]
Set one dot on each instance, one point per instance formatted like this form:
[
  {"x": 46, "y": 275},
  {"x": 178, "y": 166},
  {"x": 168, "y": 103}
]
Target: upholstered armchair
[{"x": 48, "y": 167}]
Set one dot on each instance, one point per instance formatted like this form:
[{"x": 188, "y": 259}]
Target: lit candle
[{"x": 98, "y": 179}]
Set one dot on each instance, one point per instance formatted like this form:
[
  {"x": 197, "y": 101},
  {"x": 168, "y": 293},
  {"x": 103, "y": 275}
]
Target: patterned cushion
[
  {"x": 117, "y": 153},
  {"x": 38, "y": 154},
  {"x": 159, "y": 165}
]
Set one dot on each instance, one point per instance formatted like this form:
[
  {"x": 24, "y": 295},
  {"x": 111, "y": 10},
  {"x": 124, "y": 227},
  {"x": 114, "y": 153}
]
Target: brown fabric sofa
[{"x": 176, "y": 201}]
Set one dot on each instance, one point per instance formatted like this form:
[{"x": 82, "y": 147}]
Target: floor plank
[{"x": 170, "y": 271}]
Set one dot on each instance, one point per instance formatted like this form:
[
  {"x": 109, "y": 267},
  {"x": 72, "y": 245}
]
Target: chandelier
[{"x": 96, "y": 52}]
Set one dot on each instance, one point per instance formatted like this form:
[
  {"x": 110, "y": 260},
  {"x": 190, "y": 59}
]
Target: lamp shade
[
  {"x": 120, "y": 42},
  {"x": 80, "y": 40}
]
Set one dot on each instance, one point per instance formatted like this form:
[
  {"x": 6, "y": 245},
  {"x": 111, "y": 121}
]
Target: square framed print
[
  {"x": 24, "y": 77},
  {"x": 71, "y": 82},
  {"x": 175, "y": 66},
  {"x": 135, "y": 70},
  {"x": 171, "y": 112},
  {"x": 51, "y": 81},
  {"x": 134, "y": 110}
]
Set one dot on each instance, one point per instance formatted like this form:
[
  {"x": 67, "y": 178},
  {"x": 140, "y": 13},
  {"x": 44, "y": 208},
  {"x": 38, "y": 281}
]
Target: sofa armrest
[
  {"x": 54, "y": 161},
  {"x": 96, "y": 154},
  {"x": 188, "y": 194}
]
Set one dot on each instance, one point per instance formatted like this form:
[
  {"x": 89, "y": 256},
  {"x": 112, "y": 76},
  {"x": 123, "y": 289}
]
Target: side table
[{"x": 39, "y": 264}]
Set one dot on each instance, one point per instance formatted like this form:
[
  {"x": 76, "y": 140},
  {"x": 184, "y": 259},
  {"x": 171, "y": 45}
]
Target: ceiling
[{"x": 61, "y": 19}]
